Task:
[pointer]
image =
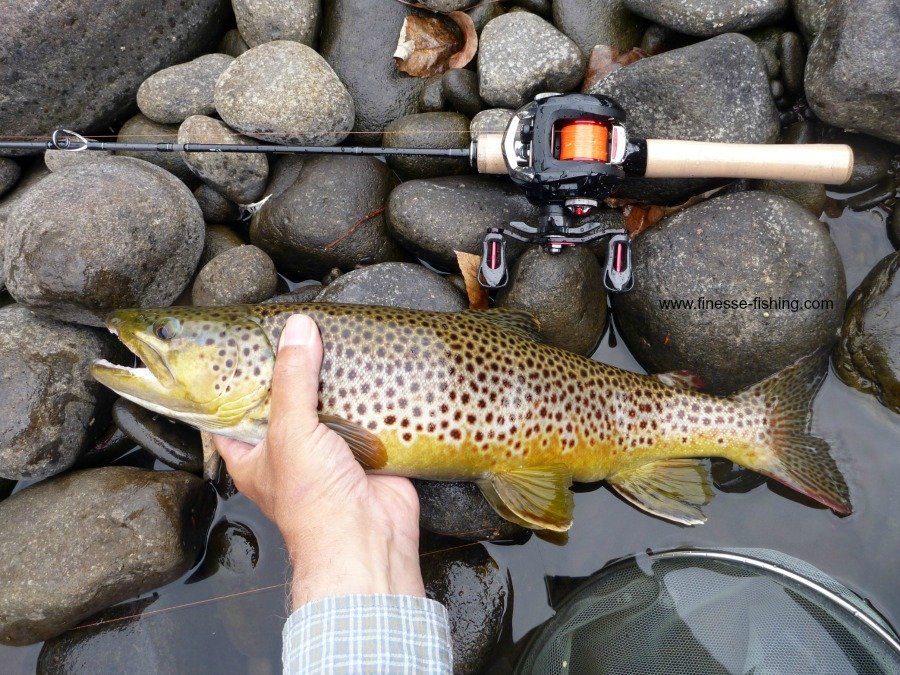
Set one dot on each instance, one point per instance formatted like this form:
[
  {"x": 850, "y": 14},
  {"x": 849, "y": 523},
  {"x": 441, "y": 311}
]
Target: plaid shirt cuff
[{"x": 368, "y": 634}]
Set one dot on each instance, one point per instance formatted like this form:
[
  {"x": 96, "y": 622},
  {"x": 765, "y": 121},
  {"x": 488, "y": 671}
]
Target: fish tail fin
[{"x": 791, "y": 455}]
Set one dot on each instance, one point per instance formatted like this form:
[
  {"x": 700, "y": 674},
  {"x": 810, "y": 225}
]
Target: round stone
[
  {"x": 706, "y": 18},
  {"x": 237, "y": 276},
  {"x": 428, "y": 130},
  {"x": 140, "y": 129},
  {"x": 175, "y": 93},
  {"x": 261, "y": 21},
  {"x": 395, "y": 284}
]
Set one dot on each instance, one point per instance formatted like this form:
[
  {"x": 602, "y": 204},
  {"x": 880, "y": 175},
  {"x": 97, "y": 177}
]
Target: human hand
[{"x": 346, "y": 532}]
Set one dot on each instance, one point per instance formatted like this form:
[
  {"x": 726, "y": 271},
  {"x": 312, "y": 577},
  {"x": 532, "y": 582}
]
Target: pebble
[
  {"x": 871, "y": 161},
  {"x": 140, "y": 129},
  {"x": 491, "y": 121},
  {"x": 868, "y": 354},
  {"x": 216, "y": 207},
  {"x": 301, "y": 294},
  {"x": 219, "y": 238},
  {"x": 395, "y": 284},
  {"x": 420, "y": 214},
  {"x": 171, "y": 442},
  {"x": 706, "y": 18},
  {"x": 793, "y": 62},
  {"x": 284, "y": 92},
  {"x": 521, "y": 55},
  {"x": 428, "y": 130},
  {"x": 261, "y": 21},
  {"x": 460, "y": 86},
  {"x": 431, "y": 98},
  {"x": 241, "y": 177},
  {"x": 772, "y": 248},
  {"x": 237, "y": 276},
  {"x": 53, "y": 409},
  {"x": 458, "y": 509},
  {"x": 331, "y": 216},
  {"x": 89, "y": 539},
  {"x": 175, "y": 93},
  {"x": 851, "y": 78},
  {"x": 149, "y": 223},
  {"x": 598, "y": 22}
]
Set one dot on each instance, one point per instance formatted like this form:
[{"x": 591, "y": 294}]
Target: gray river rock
[
  {"x": 261, "y": 21},
  {"x": 140, "y": 129},
  {"x": 395, "y": 284},
  {"x": 177, "y": 92},
  {"x": 428, "y": 130},
  {"x": 239, "y": 275},
  {"x": 598, "y": 22},
  {"x": 706, "y": 18}
]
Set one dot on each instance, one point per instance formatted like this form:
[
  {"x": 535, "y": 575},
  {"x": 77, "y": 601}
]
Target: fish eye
[{"x": 167, "y": 328}]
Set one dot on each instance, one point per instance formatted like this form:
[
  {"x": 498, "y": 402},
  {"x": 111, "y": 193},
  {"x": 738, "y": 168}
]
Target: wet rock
[
  {"x": 738, "y": 247},
  {"x": 486, "y": 10},
  {"x": 232, "y": 44},
  {"x": 722, "y": 95},
  {"x": 428, "y": 130},
  {"x": 658, "y": 39},
  {"x": 767, "y": 39},
  {"x": 9, "y": 175},
  {"x": 119, "y": 641},
  {"x": 851, "y": 74},
  {"x": 53, "y": 408},
  {"x": 216, "y": 207},
  {"x": 175, "y": 93},
  {"x": 793, "y": 61},
  {"x": 330, "y": 217},
  {"x": 460, "y": 510},
  {"x": 809, "y": 195},
  {"x": 419, "y": 214},
  {"x": 148, "y": 221},
  {"x": 284, "y": 173},
  {"x": 461, "y": 89},
  {"x": 6, "y": 488},
  {"x": 871, "y": 161},
  {"x": 431, "y": 98},
  {"x": 232, "y": 549},
  {"x": 868, "y": 354},
  {"x": 564, "y": 292},
  {"x": 30, "y": 177},
  {"x": 810, "y": 16},
  {"x": 706, "y": 18},
  {"x": 171, "y": 442},
  {"x": 219, "y": 238},
  {"x": 58, "y": 159},
  {"x": 307, "y": 293},
  {"x": 261, "y": 21},
  {"x": 119, "y": 44},
  {"x": 491, "y": 121},
  {"x": 447, "y": 5},
  {"x": 363, "y": 59},
  {"x": 140, "y": 129},
  {"x": 240, "y": 275},
  {"x": 476, "y": 594},
  {"x": 395, "y": 284},
  {"x": 540, "y": 7},
  {"x": 241, "y": 177},
  {"x": 284, "y": 92},
  {"x": 598, "y": 22},
  {"x": 89, "y": 539},
  {"x": 521, "y": 55}
]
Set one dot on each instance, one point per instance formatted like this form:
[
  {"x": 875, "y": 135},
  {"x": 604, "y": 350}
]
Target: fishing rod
[{"x": 567, "y": 152}]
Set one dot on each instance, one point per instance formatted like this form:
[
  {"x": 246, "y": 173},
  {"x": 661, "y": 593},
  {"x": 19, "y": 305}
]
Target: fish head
[{"x": 206, "y": 366}]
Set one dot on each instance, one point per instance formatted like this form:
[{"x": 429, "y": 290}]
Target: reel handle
[{"x": 819, "y": 163}]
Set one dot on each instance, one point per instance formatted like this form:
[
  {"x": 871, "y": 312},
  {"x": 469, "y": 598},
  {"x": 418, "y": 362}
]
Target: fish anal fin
[
  {"x": 673, "y": 489},
  {"x": 681, "y": 379},
  {"x": 535, "y": 497},
  {"x": 366, "y": 446},
  {"x": 517, "y": 321}
]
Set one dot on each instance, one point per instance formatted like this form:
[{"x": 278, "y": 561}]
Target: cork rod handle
[{"x": 829, "y": 164}]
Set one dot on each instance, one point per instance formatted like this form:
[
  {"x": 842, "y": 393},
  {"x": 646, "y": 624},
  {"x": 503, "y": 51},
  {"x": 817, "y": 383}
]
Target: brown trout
[{"x": 476, "y": 396}]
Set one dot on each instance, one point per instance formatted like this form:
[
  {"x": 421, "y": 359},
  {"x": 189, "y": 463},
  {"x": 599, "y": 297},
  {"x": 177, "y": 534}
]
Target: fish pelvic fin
[
  {"x": 535, "y": 497},
  {"x": 366, "y": 446},
  {"x": 791, "y": 455},
  {"x": 673, "y": 489},
  {"x": 516, "y": 321}
]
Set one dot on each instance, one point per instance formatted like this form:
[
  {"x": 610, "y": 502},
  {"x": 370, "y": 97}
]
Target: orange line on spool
[{"x": 584, "y": 141}]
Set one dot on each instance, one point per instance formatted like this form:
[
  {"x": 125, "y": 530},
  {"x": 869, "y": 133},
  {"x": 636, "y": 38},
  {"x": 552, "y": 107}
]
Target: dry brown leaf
[
  {"x": 469, "y": 263},
  {"x": 605, "y": 60},
  {"x": 638, "y": 217},
  {"x": 470, "y": 40},
  {"x": 425, "y": 46}
]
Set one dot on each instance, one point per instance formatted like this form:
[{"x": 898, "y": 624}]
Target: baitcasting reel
[{"x": 568, "y": 152}]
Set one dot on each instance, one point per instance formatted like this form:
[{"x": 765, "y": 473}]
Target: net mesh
[{"x": 727, "y": 611}]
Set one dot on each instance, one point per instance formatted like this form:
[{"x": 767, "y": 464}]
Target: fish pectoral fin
[
  {"x": 673, "y": 489},
  {"x": 681, "y": 379},
  {"x": 366, "y": 446},
  {"x": 534, "y": 497}
]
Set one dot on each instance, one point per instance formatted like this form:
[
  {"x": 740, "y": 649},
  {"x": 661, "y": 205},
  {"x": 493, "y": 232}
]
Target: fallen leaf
[
  {"x": 425, "y": 46},
  {"x": 638, "y": 217},
  {"x": 605, "y": 60},
  {"x": 470, "y": 40},
  {"x": 469, "y": 263}
]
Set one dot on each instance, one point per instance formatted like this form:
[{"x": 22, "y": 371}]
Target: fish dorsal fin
[
  {"x": 681, "y": 379},
  {"x": 367, "y": 448},
  {"x": 515, "y": 320},
  {"x": 673, "y": 489},
  {"x": 537, "y": 497}
]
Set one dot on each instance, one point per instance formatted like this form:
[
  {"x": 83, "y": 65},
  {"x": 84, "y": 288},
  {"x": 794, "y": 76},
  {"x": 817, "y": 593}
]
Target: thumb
[{"x": 293, "y": 414}]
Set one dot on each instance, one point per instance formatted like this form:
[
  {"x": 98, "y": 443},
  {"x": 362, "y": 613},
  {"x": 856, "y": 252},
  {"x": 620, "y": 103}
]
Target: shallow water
[{"x": 232, "y": 624}]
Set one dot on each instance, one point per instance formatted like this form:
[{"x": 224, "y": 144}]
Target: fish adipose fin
[
  {"x": 515, "y": 320},
  {"x": 367, "y": 448},
  {"x": 535, "y": 497},
  {"x": 791, "y": 455},
  {"x": 673, "y": 489}
]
